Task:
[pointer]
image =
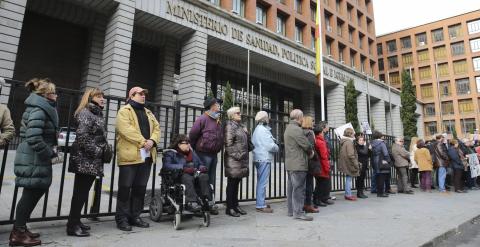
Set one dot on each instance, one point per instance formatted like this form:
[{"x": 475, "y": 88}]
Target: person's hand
[
  {"x": 148, "y": 145},
  {"x": 311, "y": 155}
]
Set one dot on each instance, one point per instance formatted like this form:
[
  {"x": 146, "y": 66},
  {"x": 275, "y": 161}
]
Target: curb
[{"x": 452, "y": 232}]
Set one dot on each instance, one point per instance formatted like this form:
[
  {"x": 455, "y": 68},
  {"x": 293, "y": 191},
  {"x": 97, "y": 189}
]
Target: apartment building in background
[{"x": 443, "y": 58}]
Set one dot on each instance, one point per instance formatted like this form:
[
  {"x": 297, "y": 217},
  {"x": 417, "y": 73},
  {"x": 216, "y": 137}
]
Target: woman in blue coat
[
  {"x": 457, "y": 165},
  {"x": 33, "y": 160}
]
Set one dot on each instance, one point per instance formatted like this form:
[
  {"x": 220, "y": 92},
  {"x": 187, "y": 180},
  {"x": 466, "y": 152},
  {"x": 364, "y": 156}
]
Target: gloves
[
  {"x": 203, "y": 169},
  {"x": 189, "y": 170}
]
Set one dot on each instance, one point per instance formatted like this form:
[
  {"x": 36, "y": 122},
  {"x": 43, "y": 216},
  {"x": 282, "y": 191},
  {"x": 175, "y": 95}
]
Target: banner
[{"x": 339, "y": 131}]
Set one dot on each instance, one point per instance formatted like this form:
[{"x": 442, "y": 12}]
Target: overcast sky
[{"x": 394, "y": 15}]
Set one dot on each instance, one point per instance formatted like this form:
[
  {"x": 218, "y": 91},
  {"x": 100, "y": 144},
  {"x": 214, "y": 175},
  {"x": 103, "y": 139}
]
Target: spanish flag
[{"x": 318, "y": 40}]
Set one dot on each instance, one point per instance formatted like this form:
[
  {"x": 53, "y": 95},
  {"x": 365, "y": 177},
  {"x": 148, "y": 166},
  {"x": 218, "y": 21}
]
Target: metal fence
[{"x": 173, "y": 120}]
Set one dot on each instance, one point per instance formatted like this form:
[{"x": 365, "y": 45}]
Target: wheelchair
[{"x": 171, "y": 199}]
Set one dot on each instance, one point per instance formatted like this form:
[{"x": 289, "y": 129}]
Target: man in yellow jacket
[{"x": 138, "y": 133}]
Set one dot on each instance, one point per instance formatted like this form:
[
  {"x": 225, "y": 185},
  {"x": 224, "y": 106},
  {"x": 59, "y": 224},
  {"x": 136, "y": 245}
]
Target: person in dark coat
[
  {"x": 381, "y": 162},
  {"x": 313, "y": 165},
  {"x": 86, "y": 155},
  {"x": 33, "y": 161},
  {"x": 363, "y": 156},
  {"x": 194, "y": 172},
  {"x": 237, "y": 147},
  {"x": 457, "y": 165}
]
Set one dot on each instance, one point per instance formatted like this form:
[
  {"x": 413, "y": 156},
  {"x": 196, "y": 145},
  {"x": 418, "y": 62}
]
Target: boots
[
  {"x": 20, "y": 237},
  {"x": 360, "y": 194}
]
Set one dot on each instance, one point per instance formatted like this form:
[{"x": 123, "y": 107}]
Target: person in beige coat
[
  {"x": 348, "y": 161},
  {"x": 7, "y": 130},
  {"x": 402, "y": 162},
  {"x": 425, "y": 166},
  {"x": 413, "y": 169}
]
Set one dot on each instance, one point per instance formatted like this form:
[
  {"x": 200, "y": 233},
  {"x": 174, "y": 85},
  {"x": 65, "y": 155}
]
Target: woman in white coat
[{"x": 413, "y": 164}]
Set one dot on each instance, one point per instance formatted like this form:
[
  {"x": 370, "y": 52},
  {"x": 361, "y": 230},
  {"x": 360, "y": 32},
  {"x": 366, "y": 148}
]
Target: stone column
[
  {"x": 336, "y": 105},
  {"x": 11, "y": 19},
  {"x": 116, "y": 57},
  {"x": 397, "y": 121},
  {"x": 362, "y": 108},
  {"x": 378, "y": 116},
  {"x": 193, "y": 66},
  {"x": 93, "y": 59},
  {"x": 165, "y": 81}
]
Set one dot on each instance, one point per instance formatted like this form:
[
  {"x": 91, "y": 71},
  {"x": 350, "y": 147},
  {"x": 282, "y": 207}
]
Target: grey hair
[
  {"x": 231, "y": 111},
  {"x": 296, "y": 114},
  {"x": 261, "y": 117},
  {"x": 399, "y": 138}
]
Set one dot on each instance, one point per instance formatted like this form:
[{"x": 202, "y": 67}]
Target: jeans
[
  {"x": 442, "y": 174},
  {"x": 348, "y": 185},
  {"x": 373, "y": 187},
  {"x": 232, "y": 192},
  {"x": 132, "y": 186},
  {"x": 210, "y": 161},
  {"x": 426, "y": 180},
  {"x": 296, "y": 192},
  {"x": 81, "y": 187},
  {"x": 263, "y": 174},
  {"x": 308, "y": 189}
]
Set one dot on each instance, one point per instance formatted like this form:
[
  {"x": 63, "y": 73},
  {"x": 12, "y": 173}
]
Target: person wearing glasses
[
  {"x": 33, "y": 161},
  {"x": 237, "y": 148},
  {"x": 194, "y": 172},
  {"x": 402, "y": 162},
  {"x": 138, "y": 133}
]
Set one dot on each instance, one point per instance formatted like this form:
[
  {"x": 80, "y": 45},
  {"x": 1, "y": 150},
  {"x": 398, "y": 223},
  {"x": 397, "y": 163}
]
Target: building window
[
  {"x": 299, "y": 34},
  {"x": 449, "y": 126},
  {"x": 477, "y": 80},
  {"x": 261, "y": 15},
  {"x": 429, "y": 110},
  {"x": 313, "y": 12},
  {"x": 341, "y": 50},
  {"x": 445, "y": 89},
  {"x": 238, "y": 7},
  {"x": 468, "y": 125},
  {"x": 421, "y": 39},
  {"x": 379, "y": 49},
  {"x": 439, "y": 53},
  {"x": 281, "y": 25},
  {"x": 443, "y": 70},
  {"x": 407, "y": 60},
  {"x": 216, "y": 2},
  {"x": 463, "y": 86},
  {"x": 362, "y": 64},
  {"x": 474, "y": 26},
  {"x": 447, "y": 108},
  {"x": 313, "y": 40},
  {"x": 350, "y": 12},
  {"x": 426, "y": 91},
  {"x": 460, "y": 67},
  {"x": 391, "y": 46},
  {"x": 392, "y": 62},
  {"x": 350, "y": 35},
  {"x": 458, "y": 49},
  {"x": 425, "y": 73},
  {"x": 329, "y": 48},
  {"x": 465, "y": 106},
  {"x": 298, "y": 6},
  {"x": 422, "y": 56},
  {"x": 281, "y": 1},
  {"x": 339, "y": 29},
  {"x": 437, "y": 35},
  {"x": 380, "y": 64},
  {"x": 352, "y": 60},
  {"x": 476, "y": 63},
  {"x": 431, "y": 128},
  {"x": 359, "y": 19},
  {"x": 475, "y": 45},
  {"x": 394, "y": 79},
  {"x": 406, "y": 42},
  {"x": 337, "y": 6},
  {"x": 360, "y": 40},
  {"x": 327, "y": 22},
  {"x": 455, "y": 31}
]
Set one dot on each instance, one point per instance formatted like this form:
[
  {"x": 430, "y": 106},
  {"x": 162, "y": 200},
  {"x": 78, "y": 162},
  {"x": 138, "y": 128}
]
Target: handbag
[
  {"x": 384, "y": 165},
  {"x": 107, "y": 153}
]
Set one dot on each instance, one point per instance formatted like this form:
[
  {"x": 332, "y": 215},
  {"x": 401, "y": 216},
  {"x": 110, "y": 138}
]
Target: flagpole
[{"x": 319, "y": 58}]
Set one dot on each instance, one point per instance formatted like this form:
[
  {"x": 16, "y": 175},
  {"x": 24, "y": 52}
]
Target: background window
[
  {"x": 463, "y": 86},
  {"x": 395, "y": 78},
  {"x": 477, "y": 79},
  {"x": 455, "y": 31},
  {"x": 429, "y": 110},
  {"x": 437, "y": 35},
  {"x": 449, "y": 125},
  {"x": 475, "y": 45},
  {"x": 380, "y": 64},
  {"x": 460, "y": 67},
  {"x": 238, "y": 7},
  {"x": 447, "y": 108},
  {"x": 379, "y": 49},
  {"x": 427, "y": 91},
  {"x": 439, "y": 53},
  {"x": 422, "y": 56},
  {"x": 431, "y": 128},
  {"x": 407, "y": 59},
  {"x": 443, "y": 70},
  {"x": 406, "y": 42},
  {"x": 421, "y": 39},
  {"x": 216, "y": 2},
  {"x": 458, "y": 49},
  {"x": 476, "y": 63},
  {"x": 445, "y": 88},
  {"x": 261, "y": 15},
  {"x": 393, "y": 62},
  {"x": 473, "y": 27},
  {"x": 425, "y": 73},
  {"x": 298, "y": 34},
  {"x": 468, "y": 125},
  {"x": 392, "y": 46},
  {"x": 298, "y": 6},
  {"x": 465, "y": 106},
  {"x": 281, "y": 25}
]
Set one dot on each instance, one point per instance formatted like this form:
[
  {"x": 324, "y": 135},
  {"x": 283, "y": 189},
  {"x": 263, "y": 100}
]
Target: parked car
[{"x": 62, "y": 137}]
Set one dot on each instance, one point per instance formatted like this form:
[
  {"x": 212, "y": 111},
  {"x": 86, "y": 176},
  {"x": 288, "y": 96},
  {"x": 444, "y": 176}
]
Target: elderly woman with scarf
[{"x": 348, "y": 161}]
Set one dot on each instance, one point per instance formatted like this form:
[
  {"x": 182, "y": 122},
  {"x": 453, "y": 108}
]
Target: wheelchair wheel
[
  {"x": 206, "y": 219},
  {"x": 177, "y": 220},
  {"x": 156, "y": 208}
]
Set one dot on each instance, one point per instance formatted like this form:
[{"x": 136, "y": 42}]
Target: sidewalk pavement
[{"x": 401, "y": 220}]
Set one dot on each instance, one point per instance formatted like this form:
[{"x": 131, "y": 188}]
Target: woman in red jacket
[{"x": 322, "y": 179}]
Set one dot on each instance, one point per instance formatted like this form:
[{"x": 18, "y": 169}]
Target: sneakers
[
  {"x": 350, "y": 198},
  {"x": 304, "y": 217},
  {"x": 265, "y": 210}
]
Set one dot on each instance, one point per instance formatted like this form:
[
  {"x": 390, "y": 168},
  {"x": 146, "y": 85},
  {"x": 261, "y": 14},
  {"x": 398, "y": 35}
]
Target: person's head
[
  {"x": 323, "y": 125},
  {"x": 137, "y": 94},
  {"x": 439, "y": 138},
  {"x": 413, "y": 142},
  {"x": 211, "y": 104},
  {"x": 399, "y": 140},
  {"x": 420, "y": 144},
  {"x": 361, "y": 139},
  {"x": 181, "y": 143},
  {"x": 377, "y": 135},
  {"x": 234, "y": 114},
  {"x": 454, "y": 142},
  {"x": 349, "y": 132},
  {"x": 467, "y": 142},
  {"x": 307, "y": 123},
  {"x": 262, "y": 117},
  {"x": 91, "y": 95},
  {"x": 296, "y": 115},
  {"x": 43, "y": 87},
  {"x": 317, "y": 129}
]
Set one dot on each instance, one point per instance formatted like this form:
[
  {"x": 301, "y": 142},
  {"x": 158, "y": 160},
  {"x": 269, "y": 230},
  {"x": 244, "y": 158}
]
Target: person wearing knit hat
[{"x": 265, "y": 147}]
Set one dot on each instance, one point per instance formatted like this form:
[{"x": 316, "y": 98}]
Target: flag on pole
[{"x": 318, "y": 39}]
